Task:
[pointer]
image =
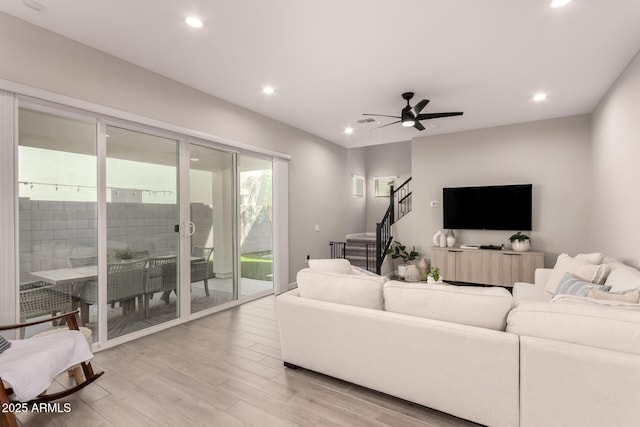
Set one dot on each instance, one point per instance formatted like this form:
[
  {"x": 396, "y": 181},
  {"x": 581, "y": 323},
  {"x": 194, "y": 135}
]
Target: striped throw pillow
[
  {"x": 4, "y": 344},
  {"x": 573, "y": 285}
]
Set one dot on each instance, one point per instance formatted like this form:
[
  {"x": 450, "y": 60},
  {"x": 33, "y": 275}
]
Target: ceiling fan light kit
[{"x": 411, "y": 116}]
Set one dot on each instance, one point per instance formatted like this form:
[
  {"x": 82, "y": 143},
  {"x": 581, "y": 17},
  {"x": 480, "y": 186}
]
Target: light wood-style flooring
[{"x": 225, "y": 370}]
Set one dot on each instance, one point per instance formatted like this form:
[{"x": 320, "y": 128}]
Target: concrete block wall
[{"x": 51, "y": 231}]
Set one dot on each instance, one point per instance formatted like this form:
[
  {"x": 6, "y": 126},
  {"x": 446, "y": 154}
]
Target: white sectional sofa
[{"x": 465, "y": 350}]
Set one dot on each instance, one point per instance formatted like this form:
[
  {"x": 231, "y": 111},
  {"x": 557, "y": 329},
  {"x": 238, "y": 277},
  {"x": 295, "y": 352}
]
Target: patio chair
[
  {"x": 82, "y": 261},
  {"x": 40, "y": 298},
  {"x": 48, "y": 356},
  {"x": 125, "y": 283},
  {"x": 78, "y": 288},
  {"x": 161, "y": 277},
  {"x": 200, "y": 270}
]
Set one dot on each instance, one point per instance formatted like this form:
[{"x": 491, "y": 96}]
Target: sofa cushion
[
  {"x": 632, "y": 295},
  {"x": 334, "y": 265},
  {"x": 468, "y": 305},
  {"x": 529, "y": 292},
  {"x": 583, "y": 323},
  {"x": 622, "y": 277},
  {"x": 582, "y": 269},
  {"x": 350, "y": 289},
  {"x": 573, "y": 285}
]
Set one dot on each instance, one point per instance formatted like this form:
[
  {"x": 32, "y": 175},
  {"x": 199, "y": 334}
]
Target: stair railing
[
  {"x": 383, "y": 229},
  {"x": 337, "y": 249}
]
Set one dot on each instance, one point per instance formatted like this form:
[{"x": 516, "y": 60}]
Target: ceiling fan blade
[
  {"x": 388, "y": 124},
  {"x": 418, "y": 126},
  {"x": 419, "y": 107},
  {"x": 381, "y": 115},
  {"x": 437, "y": 115}
]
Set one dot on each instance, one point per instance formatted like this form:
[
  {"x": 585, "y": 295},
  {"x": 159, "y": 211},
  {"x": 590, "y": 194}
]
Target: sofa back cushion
[
  {"x": 349, "y": 289},
  {"x": 467, "y": 305},
  {"x": 591, "y": 324}
]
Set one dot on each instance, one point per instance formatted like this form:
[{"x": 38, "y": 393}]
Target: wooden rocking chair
[{"x": 83, "y": 374}]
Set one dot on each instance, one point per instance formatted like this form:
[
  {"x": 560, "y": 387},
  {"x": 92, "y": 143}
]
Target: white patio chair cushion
[{"x": 30, "y": 365}]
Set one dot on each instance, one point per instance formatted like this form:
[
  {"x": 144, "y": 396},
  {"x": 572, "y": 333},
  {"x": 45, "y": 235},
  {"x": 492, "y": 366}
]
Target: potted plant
[
  {"x": 125, "y": 253},
  {"x": 398, "y": 250},
  {"x": 520, "y": 242},
  {"x": 433, "y": 275}
]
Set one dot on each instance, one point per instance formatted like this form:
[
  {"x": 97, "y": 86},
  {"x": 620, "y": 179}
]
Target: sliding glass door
[
  {"x": 135, "y": 227},
  {"x": 142, "y": 240},
  {"x": 212, "y": 212}
]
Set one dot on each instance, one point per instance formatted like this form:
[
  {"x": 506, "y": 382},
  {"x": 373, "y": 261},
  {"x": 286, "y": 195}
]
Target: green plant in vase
[
  {"x": 520, "y": 242},
  {"x": 125, "y": 253},
  {"x": 433, "y": 275},
  {"x": 398, "y": 250}
]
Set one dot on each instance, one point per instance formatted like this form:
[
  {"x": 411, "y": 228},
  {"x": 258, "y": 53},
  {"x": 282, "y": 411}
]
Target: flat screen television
[{"x": 499, "y": 207}]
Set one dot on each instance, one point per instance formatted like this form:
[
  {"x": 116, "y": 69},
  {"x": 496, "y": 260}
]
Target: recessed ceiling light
[
  {"x": 559, "y": 3},
  {"x": 268, "y": 90},
  {"x": 541, "y": 96},
  {"x": 348, "y": 131},
  {"x": 193, "y": 22}
]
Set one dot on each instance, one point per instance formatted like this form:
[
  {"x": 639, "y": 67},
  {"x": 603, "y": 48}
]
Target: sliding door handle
[{"x": 192, "y": 228}]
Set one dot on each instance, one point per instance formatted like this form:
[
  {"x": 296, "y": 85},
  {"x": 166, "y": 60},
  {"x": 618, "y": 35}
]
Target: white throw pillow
[
  {"x": 582, "y": 269},
  {"x": 623, "y": 277},
  {"x": 573, "y": 299},
  {"x": 592, "y": 258},
  {"x": 467, "y": 305},
  {"x": 631, "y": 296},
  {"x": 335, "y": 265}
]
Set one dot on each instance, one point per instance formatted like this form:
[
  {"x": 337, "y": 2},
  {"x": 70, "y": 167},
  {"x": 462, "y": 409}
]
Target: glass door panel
[
  {"x": 57, "y": 216},
  {"x": 256, "y": 225},
  {"x": 142, "y": 242},
  {"x": 212, "y": 272}
]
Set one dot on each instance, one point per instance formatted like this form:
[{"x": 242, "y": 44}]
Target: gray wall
[
  {"x": 385, "y": 160},
  {"x": 615, "y": 202},
  {"x": 318, "y": 176},
  {"x": 553, "y": 155}
]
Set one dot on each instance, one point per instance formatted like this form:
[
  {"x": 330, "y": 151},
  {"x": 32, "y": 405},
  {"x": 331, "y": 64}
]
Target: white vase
[
  {"x": 436, "y": 237},
  {"x": 451, "y": 239},
  {"x": 402, "y": 270},
  {"x": 431, "y": 280},
  {"x": 521, "y": 246}
]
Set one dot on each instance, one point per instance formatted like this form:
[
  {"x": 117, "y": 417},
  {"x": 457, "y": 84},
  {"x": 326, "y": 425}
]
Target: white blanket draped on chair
[{"x": 30, "y": 365}]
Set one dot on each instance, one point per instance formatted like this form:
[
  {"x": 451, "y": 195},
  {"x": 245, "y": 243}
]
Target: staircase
[
  {"x": 360, "y": 250},
  {"x": 367, "y": 250}
]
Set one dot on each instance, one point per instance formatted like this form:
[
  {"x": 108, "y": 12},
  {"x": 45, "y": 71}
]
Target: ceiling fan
[{"x": 411, "y": 117}]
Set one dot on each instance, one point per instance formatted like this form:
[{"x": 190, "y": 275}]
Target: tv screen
[{"x": 500, "y": 207}]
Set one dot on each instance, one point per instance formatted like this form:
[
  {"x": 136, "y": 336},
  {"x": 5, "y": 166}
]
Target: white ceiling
[{"x": 332, "y": 60}]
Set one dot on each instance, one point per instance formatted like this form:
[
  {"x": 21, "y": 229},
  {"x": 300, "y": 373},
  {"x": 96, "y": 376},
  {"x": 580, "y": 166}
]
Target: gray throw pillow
[
  {"x": 4, "y": 344},
  {"x": 573, "y": 285}
]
